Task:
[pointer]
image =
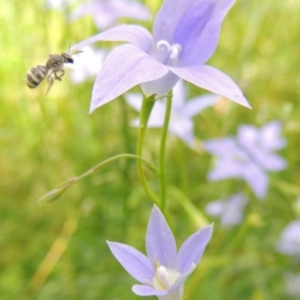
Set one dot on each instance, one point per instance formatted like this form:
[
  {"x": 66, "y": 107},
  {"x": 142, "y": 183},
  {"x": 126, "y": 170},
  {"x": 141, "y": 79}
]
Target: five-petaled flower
[
  {"x": 164, "y": 271},
  {"x": 181, "y": 123},
  {"x": 249, "y": 156},
  {"x": 229, "y": 210},
  {"x": 185, "y": 35}
]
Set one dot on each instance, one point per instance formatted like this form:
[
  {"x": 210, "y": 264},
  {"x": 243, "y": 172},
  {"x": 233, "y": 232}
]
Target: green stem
[
  {"x": 111, "y": 159},
  {"x": 146, "y": 109},
  {"x": 162, "y": 153},
  {"x": 58, "y": 191}
]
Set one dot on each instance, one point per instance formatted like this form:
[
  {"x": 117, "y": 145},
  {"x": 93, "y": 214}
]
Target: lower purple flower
[{"x": 163, "y": 271}]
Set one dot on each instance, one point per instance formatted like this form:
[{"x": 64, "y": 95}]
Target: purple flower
[
  {"x": 181, "y": 123},
  {"x": 185, "y": 36},
  {"x": 229, "y": 210},
  {"x": 164, "y": 271},
  {"x": 289, "y": 242},
  {"x": 249, "y": 156},
  {"x": 106, "y": 12}
]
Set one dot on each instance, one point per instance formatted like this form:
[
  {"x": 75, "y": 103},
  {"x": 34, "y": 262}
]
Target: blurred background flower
[
  {"x": 230, "y": 210},
  {"x": 248, "y": 156},
  {"x": 289, "y": 242},
  {"x": 106, "y": 13},
  {"x": 181, "y": 122},
  {"x": 87, "y": 64}
]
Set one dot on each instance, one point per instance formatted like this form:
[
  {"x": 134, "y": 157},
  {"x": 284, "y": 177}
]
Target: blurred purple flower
[
  {"x": 181, "y": 123},
  {"x": 292, "y": 285},
  {"x": 185, "y": 36},
  {"x": 106, "y": 12},
  {"x": 289, "y": 242},
  {"x": 249, "y": 156},
  {"x": 229, "y": 210},
  {"x": 87, "y": 64},
  {"x": 164, "y": 271}
]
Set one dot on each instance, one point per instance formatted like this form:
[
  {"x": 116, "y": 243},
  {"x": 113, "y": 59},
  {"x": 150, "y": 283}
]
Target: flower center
[
  {"x": 164, "y": 278},
  {"x": 169, "y": 52},
  {"x": 242, "y": 158}
]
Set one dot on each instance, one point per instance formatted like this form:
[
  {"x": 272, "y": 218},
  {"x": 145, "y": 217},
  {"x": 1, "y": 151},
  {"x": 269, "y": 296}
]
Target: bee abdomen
[{"x": 36, "y": 75}]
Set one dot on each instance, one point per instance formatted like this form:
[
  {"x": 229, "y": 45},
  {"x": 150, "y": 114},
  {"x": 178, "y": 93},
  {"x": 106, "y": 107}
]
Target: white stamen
[
  {"x": 164, "y": 278},
  {"x": 163, "y": 45},
  {"x": 175, "y": 50}
]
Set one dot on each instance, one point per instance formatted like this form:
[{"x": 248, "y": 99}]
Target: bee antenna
[{"x": 76, "y": 52}]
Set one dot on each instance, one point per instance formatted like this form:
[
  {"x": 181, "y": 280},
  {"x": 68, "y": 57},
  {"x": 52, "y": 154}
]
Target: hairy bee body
[
  {"x": 36, "y": 75},
  {"x": 54, "y": 65}
]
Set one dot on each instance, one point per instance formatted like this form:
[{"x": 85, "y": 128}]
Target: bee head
[{"x": 67, "y": 58}]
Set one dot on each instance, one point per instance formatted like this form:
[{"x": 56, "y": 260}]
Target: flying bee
[{"x": 53, "y": 70}]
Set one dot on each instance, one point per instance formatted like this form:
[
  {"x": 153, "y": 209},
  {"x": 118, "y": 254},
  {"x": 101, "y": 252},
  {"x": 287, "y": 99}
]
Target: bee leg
[
  {"x": 58, "y": 77},
  {"x": 50, "y": 80}
]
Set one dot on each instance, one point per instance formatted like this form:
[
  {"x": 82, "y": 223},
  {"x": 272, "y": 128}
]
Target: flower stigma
[
  {"x": 163, "y": 45},
  {"x": 175, "y": 51},
  {"x": 172, "y": 51}
]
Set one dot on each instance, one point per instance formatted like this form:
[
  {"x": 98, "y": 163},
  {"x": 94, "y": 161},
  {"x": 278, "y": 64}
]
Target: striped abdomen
[{"x": 36, "y": 75}]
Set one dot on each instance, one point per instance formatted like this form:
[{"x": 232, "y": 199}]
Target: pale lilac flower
[
  {"x": 289, "y": 242},
  {"x": 87, "y": 64},
  {"x": 249, "y": 156},
  {"x": 107, "y": 12},
  {"x": 292, "y": 285},
  {"x": 185, "y": 36},
  {"x": 229, "y": 210},
  {"x": 181, "y": 123},
  {"x": 163, "y": 271}
]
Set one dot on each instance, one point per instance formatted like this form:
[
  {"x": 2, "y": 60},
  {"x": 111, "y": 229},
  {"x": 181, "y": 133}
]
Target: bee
[{"x": 53, "y": 70}]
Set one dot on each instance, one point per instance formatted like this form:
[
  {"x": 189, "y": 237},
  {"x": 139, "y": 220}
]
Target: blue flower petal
[
  {"x": 133, "y": 261},
  {"x": 192, "y": 249},
  {"x": 160, "y": 242},
  {"x": 198, "y": 30},
  {"x": 134, "y": 34},
  {"x": 125, "y": 67},
  {"x": 212, "y": 80},
  {"x": 167, "y": 19},
  {"x": 145, "y": 290}
]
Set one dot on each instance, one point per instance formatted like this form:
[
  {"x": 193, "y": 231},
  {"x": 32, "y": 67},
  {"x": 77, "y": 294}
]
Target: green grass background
[{"x": 59, "y": 251}]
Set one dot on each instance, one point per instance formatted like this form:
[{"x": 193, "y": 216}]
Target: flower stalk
[
  {"x": 147, "y": 105},
  {"x": 162, "y": 153}
]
